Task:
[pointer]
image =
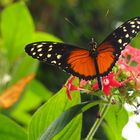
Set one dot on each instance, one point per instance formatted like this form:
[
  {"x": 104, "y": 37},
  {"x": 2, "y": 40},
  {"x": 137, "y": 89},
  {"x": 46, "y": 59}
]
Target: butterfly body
[
  {"x": 87, "y": 64},
  {"x": 94, "y": 53}
]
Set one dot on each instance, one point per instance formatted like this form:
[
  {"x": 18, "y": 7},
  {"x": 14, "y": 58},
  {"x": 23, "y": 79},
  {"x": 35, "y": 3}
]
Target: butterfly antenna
[
  {"x": 107, "y": 12},
  {"x": 66, "y": 19},
  {"x": 74, "y": 26}
]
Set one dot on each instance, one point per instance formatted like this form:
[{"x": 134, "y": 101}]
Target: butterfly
[{"x": 96, "y": 62}]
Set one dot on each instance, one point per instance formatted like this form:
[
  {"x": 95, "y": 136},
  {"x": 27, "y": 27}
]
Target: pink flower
[
  {"x": 83, "y": 83},
  {"x": 108, "y": 83},
  {"x": 70, "y": 87},
  {"x": 131, "y": 50},
  {"x": 129, "y": 56}
]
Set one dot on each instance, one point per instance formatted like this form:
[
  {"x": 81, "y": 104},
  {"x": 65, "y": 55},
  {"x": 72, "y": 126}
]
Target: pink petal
[
  {"x": 73, "y": 87},
  {"x": 110, "y": 76},
  {"x": 70, "y": 80},
  {"x": 115, "y": 83},
  {"x": 83, "y": 83},
  {"x": 106, "y": 90},
  {"x": 95, "y": 86},
  {"x": 68, "y": 94},
  {"x": 70, "y": 87}
]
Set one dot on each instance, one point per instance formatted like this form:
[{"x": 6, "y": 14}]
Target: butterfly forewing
[
  {"x": 122, "y": 36},
  {"x": 72, "y": 59},
  {"x": 49, "y": 52},
  {"x": 110, "y": 49}
]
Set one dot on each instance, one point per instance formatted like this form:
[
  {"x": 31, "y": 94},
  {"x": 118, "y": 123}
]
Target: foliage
[
  {"x": 114, "y": 122},
  {"x": 34, "y": 113},
  {"x": 10, "y": 130}
]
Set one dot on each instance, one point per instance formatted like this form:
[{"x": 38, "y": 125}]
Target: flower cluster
[
  {"x": 129, "y": 63},
  {"x": 126, "y": 71}
]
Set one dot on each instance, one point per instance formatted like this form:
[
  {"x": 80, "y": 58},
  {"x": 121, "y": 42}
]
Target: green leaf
[
  {"x": 40, "y": 36},
  {"x": 70, "y": 131},
  {"x": 51, "y": 110},
  {"x": 54, "y": 111},
  {"x": 9, "y": 130},
  {"x": 115, "y": 119},
  {"x": 34, "y": 95},
  {"x": 40, "y": 89},
  {"x": 16, "y": 28},
  {"x": 138, "y": 124},
  {"x": 62, "y": 121},
  {"x": 135, "y": 42},
  {"x": 24, "y": 66}
]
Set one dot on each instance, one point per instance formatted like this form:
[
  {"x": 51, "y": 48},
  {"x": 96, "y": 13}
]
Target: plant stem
[{"x": 98, "y": 121}]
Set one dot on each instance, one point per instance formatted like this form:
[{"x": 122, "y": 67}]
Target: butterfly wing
[
  {"x": 110, "y": 49},
  {"x": 78, "y": 61},
  {"x": 72, "y": 59}
]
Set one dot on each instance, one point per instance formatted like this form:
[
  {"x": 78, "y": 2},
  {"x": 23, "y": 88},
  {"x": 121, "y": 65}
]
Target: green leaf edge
[{"x": 48, "y": 135}]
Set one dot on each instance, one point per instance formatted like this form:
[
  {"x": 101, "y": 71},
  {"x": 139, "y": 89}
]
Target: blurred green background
[{"x": 71, "y": 21}]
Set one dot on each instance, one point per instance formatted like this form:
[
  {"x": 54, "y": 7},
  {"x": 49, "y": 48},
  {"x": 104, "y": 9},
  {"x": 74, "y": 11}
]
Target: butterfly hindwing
[
  {"x": 72, "y": 59},
  {"x": 110, "y": 49}
]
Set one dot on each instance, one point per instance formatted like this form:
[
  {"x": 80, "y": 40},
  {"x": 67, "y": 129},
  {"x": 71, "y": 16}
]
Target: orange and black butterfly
[{"x": 87, "y": 64}]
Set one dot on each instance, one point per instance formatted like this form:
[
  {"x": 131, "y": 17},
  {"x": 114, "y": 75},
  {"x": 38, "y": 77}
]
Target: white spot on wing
[
  {"x": 59, "y": 56},
  {"x": 124, "y": 29},
  {"x": 39, "y": 46},
  {"x": 49, "y": 49},
  {"x": 124, "y": 44},
  {"x": 53, "y": 62},
  {"x": 133, "y": 31},
  {"x": 120, "y": 41},
  {"x": 50, "y": 46},
  {"x": 40, "y": 54},
  {"x": 127, "y": 35},
  {"x": 136, "y": 19},
  {"x": 132, "y": 22},
  {"x": 32, "y": 49},
  {"x": 133, "y": 26},
  {"x": 39, "y": 50},
  {"x": 49, "y": 55},
  {"x": 34, "y": 53}
]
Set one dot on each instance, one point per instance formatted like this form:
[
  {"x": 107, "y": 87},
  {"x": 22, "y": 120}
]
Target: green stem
[{"x": 98, "y": 121}]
